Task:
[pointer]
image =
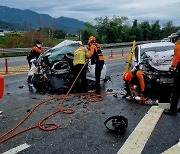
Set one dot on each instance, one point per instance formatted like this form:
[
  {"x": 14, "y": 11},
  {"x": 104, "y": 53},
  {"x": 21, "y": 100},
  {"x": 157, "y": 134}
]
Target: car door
[{"x": 136, "y": 57}]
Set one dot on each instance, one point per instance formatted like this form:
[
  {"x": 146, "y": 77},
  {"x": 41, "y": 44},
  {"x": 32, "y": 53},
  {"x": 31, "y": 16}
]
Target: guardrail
[
  {"x": 111, "y": 45},
  {"x": 18, "y": 49},
  {"x": 11, "y": 52}
]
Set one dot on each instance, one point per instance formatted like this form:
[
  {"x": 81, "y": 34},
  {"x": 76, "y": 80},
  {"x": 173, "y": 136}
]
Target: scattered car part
[{"x": 119, "y": 124}]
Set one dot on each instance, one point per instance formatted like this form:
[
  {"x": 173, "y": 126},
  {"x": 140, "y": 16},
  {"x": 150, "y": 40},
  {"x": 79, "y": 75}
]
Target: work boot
[{"x": 170, "y": 112}]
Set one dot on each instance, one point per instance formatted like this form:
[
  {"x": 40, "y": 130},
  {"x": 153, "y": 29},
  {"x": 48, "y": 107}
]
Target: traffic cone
[
  {"x": 122, "y": 53},
  {"x": 1, "y": 86}
]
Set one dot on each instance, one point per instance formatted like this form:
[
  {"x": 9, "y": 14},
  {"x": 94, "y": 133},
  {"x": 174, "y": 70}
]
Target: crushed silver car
[
  {"x": 53, "y": 70},
  {"x": 154, "y": 59}
]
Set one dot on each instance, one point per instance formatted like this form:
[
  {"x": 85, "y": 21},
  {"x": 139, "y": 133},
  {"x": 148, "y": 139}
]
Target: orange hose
[
  {"x": 51, "y": 126},
  {"x": 42, "y": 125},
  {"x": 94, "y": 98},
  {"x": 21, "y": 122}
]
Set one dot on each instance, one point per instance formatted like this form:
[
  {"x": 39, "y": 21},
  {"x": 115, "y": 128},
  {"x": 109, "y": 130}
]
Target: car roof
[{"x": 157, "y": 44}]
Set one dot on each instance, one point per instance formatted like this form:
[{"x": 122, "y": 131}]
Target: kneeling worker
[
  {"x": 135, "y": 85},
  {"x": 80, "y": 58}
]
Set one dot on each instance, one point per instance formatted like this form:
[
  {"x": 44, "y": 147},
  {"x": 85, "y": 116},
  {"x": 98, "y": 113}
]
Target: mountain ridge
[{"x": 30, "y": 19}]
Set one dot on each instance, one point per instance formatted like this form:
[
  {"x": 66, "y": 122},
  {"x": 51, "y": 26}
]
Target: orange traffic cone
[{"x": 1, "y": 86}]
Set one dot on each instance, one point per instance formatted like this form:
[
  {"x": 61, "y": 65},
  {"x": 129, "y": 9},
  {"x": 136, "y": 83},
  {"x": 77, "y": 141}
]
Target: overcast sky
[{"x": 87, "y": 10}]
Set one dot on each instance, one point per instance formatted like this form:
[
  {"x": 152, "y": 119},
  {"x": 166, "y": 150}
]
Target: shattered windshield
[
  {"x": 58, "y": 53},
  {"x": 157, "y": 49}
]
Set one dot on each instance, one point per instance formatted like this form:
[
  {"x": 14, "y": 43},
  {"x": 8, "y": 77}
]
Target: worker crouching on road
[
  {"x": 80, "y": 60},
  {"x": 135, "y": 85},
  {"x": 97, "y": 58},
  {"x": 175, "y": 69}
]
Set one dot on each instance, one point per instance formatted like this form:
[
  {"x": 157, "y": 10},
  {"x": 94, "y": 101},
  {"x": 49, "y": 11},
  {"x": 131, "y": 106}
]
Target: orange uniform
[
  {"x": 97, "y": 58},
  {"x": 176, "y": 57},
  {"x": 140, "y": 77},
  {"x": 135, "y": 78},
  {"x": 95, "y": 47},
  {"x": 35, "y": 52},
  {"x": 37, "y": 49}
]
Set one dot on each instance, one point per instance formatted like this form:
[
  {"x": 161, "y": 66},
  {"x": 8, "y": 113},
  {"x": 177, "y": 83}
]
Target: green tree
[
  {"x": 110, "y": 30},
  {"x": 87, "y": 32},
  {"x": 167, "y": 29},
  {"x": 156, "y": 31},
  {"x": 126, "y": 33},
  {"x": 146, "y": 30},
  {"x": 60, "y": 34},
  {"x": 136, "y": 31},
  {"x": 101, "y": 26}
]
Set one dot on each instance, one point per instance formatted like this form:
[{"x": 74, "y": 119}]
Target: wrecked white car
[
  {"x": 53, "y": 70},
  {"x": 154, "y": 59}
]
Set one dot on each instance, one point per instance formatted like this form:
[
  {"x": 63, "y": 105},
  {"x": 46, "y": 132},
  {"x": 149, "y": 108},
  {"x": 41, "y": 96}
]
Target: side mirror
[{"x": 1, "y": 86}]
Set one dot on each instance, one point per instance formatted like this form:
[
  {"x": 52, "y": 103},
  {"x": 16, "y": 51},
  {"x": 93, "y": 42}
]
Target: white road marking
[
  {"x": 173, "y": 150},
  {"x": 17, "y": 149},
  {"x": 138, "y": 138}
]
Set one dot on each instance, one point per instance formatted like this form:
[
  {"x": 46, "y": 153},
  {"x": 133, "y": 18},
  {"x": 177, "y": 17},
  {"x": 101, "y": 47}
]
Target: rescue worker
[
  {"x": 135, "y": 85},
  {"x": 97, "y": 58},
  {"x": 175, "y": 69},
  {"x": 80, "y": 59},
  {"x": 35, "y": 52}
]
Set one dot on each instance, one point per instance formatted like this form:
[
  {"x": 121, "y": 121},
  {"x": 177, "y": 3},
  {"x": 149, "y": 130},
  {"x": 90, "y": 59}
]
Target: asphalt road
[
  {"x": 82, "y": 132},
  {"x": 13, "y": 61}
]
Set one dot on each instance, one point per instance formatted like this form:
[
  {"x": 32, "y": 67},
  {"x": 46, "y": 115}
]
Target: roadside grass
[{"x": 3, "y": 41}]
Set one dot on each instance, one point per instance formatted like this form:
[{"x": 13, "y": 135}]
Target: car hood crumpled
[
  {"x": 66, "y": 43},
  {"x": 160, "y": 60}
]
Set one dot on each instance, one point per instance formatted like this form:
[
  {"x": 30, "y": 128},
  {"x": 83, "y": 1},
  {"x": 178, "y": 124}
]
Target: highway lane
[
  {"x": 15, "y": 98},
  {"x": 83, "y": 131},
  {"x": 13, "y": 61}
]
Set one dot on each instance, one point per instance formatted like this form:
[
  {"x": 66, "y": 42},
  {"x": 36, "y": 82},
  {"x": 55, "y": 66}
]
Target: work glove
[
  {"x": 143, "y": 98},
  {"x": 87, "y": 60},
  {"x": 171, "y": 69}
]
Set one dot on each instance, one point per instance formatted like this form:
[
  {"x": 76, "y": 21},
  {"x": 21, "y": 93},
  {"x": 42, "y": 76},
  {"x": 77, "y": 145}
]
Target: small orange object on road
[{"x": 1, "y": 86}]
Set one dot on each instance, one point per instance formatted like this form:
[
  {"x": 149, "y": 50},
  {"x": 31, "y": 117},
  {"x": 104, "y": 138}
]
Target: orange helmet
[
  {"x": 92, "y": 38},
  {"x": 127, "y": 76}
]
